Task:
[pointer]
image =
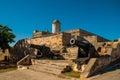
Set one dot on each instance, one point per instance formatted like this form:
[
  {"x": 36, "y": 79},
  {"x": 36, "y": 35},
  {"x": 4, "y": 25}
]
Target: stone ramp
[{"x": 49, "y": 66}]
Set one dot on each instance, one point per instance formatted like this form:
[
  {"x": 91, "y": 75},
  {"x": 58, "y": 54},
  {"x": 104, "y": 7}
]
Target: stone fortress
[{"x": 59, "y": 44}]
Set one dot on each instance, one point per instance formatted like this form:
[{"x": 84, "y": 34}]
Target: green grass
[
  {"x": 7, "y": 69},
  {"x": 72, "y": 74}
]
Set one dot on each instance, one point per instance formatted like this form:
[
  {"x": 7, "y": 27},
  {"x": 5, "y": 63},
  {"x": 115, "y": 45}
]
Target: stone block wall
[
  {"x": 59, "y": 39},
  {"x": 94, "y": 40},
  {"x": 45, "y": 38},
  {"x": 91, "y": 39},
  {"x": 87, "y": 35}
]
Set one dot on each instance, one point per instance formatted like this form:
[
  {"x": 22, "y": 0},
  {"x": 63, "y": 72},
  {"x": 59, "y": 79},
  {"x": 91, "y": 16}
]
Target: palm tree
[{"x": 6, "y": 37}]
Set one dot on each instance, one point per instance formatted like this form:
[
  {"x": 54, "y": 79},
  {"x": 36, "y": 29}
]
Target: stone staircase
[{"x": 49, "y": 66}]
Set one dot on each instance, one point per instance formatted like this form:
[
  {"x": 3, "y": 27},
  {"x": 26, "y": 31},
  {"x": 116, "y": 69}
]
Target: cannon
[
  {"x": 42, "y": 51},
  {"x": 83, "y": 47},
  {"x": 85, "y": 51}
]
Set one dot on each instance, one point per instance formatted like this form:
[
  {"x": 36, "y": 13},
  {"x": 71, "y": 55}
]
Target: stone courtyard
[{"x": 30, "y": 75}]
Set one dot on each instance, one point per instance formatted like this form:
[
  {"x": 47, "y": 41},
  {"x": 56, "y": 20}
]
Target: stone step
[
  {"x": 50, "y": 66},
  {"x": 45, "y": 69},
  {"x": 52, "y": 63},
  {"x": 59, "y": 66}
]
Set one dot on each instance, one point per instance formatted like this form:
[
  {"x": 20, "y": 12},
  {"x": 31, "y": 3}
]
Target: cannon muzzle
[{"x": 72, "y": 41}]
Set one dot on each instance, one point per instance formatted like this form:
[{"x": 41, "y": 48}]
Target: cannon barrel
[
  {"x": 40, "y": 47},
  {"x": 43, "y": 51},
  {"x": 79, "y": 43}
]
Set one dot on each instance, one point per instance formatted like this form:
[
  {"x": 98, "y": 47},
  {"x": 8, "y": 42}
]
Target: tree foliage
[{"x": 6, "y": 37}]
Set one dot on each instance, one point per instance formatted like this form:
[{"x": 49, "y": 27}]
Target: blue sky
[{"x": 101, "y": 17}]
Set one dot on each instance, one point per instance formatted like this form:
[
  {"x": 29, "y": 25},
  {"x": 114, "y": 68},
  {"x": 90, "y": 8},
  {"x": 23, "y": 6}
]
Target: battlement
[{"x": 40, "y": 34}]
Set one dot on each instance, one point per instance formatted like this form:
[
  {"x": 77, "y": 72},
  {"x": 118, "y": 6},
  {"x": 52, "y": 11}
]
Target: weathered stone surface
[
  {"x": 27, "y": 74},
  {"x": 49, "y": 66}
]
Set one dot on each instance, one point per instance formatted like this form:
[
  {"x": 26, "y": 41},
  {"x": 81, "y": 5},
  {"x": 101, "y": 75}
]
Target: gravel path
[{"x": 28, "y": 75}]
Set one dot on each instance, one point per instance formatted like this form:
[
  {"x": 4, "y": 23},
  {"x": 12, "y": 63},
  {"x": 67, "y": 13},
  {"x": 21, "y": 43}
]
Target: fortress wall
[
  {"x": 48, "y": 41},
  {"x": 95, "y": 40},
  {"x": 53, "y": 41},
  {"x": 89, "y": 36},
  {"x": 44, "y": 38},
  {"x": 59, "y": 39},
  {"x": 91, "y": 39}
]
